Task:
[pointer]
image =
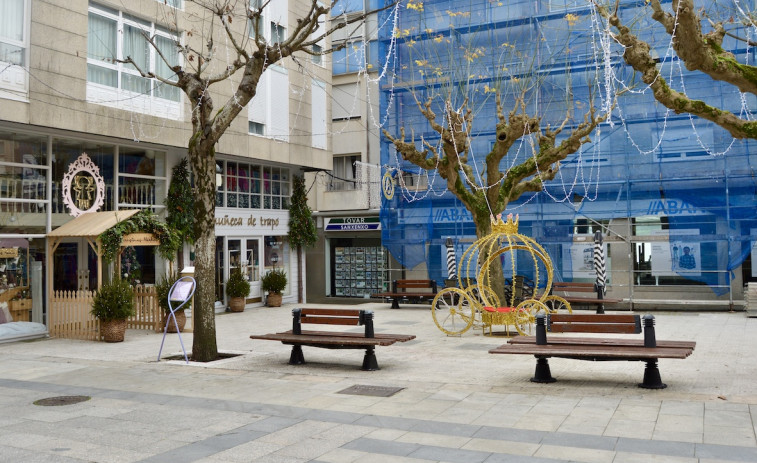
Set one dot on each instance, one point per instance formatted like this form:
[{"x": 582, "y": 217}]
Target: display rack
[{"x": 359, "y": 271}]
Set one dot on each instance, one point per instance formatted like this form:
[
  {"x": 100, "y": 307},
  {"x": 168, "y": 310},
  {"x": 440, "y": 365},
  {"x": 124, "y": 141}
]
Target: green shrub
[
  {"x": 274, "y": 281},
  {"x": 237, "y": 286},
  {"x": 114, "y": 301}
]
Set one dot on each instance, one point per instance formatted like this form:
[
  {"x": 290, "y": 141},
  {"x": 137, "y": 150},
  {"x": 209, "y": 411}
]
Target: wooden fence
[{"x": 70, "y": 315}]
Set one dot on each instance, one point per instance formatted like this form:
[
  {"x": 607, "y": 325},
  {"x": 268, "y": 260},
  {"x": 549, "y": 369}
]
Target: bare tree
[
  {"x": 685, "y": 22},
  {"x": 479, "y": 80},
  {"x": 238, "y": 23}
]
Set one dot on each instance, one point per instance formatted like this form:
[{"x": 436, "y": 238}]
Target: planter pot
[
  {"x": 236, "y": 304},
  {"x": 273, "y": 300},
  {"x": 181, "y": 319},
  {"x": 113, "y": 330}
]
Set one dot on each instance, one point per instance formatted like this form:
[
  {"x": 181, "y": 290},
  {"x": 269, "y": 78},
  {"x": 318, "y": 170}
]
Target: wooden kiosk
[{"x": 69, "y": 311}]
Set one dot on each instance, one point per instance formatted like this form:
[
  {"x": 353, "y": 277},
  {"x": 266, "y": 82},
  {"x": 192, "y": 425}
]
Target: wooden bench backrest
[
  {"x": 581, "y": 323},
  {"x": 564, "y": 286},
  {"x": 415, "y": 284},
  {"x": 332, "y": 317}
]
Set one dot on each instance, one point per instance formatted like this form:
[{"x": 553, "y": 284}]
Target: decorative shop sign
[
  {"x": 139, "y": 239},
  {"x": 83, "y": 187},
  {"x": 8, "y": 253},
  {"x": 353, "y": 224},
  {"x": 250, "y": 221}
]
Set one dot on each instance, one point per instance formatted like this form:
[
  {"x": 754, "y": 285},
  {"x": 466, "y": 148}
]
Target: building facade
[
  {"x": 672, "y": 194},
  {"x": 64, "y": 91}
]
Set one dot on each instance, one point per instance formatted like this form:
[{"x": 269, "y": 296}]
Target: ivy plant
[{"x": 144, "y": 221}]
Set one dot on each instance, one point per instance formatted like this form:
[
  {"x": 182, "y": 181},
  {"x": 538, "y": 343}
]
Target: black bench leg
[
  {"x": 542, "y": 373},
  {"x": 652, "y": 378},
  {"x": 369, "y": 360},
  {"x": 296, "y": 358},
  {"x": 395, "y": 303}
]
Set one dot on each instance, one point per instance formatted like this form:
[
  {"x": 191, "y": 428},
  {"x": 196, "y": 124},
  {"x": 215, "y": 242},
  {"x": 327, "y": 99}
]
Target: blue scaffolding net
[{"x": 674, "y": 194}]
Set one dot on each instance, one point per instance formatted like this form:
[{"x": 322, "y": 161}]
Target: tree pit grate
[
  {"x": 61, "y": 400},
  {"x": 373, "y": 391}
]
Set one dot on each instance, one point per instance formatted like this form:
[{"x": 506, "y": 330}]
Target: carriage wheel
[
  {"x": 556, "y": 304},
  {"x": 532, "y": 307},
  {"x": 522, "y": 321},
  {"x": 453, "y": 311}
]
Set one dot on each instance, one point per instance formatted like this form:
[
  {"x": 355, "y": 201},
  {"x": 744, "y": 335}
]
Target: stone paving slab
[{"x": 458, "y": 403}]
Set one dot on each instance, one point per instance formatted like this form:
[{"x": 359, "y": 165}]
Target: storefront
[
  {"x": 256, "y": 242},
  {"x": 356, "y": 265}
]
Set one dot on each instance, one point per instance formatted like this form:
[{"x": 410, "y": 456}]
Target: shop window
[
  {"x": 23, "y": 180},
  {"x": 358, "y": 270},
  {"x": 276, "y": 256},
  {"x": 250, "y": 186},
  {"x": 111, "y": 82},
  {"x": 141, "y": 179}
]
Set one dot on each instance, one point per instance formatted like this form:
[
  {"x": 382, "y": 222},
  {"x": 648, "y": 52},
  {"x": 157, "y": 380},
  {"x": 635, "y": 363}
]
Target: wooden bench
[
  {"x": 647, "y": 350},
  {"x": 410, "y": 290},
  {"x": 334, "y": 339},
  {"x": 565, "y": 288}
]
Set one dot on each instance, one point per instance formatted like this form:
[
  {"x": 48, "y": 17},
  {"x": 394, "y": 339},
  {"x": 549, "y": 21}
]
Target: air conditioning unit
[{"x": 750, "y": 299}]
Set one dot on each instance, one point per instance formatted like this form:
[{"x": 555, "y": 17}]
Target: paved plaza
[{"x": 457, "y": 403}]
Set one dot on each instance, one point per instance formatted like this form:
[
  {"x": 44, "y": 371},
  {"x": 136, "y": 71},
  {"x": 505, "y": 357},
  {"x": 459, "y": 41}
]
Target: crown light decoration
[{"x": 509, "y": 228}]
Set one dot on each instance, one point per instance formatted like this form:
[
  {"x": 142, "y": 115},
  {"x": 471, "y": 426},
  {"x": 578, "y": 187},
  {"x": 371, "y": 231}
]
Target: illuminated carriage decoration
[{"x": 456, "y": 309}]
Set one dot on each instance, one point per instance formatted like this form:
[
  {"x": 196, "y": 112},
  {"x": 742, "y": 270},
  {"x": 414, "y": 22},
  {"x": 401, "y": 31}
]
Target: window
[
  {"x": 178, "y": 4},
  {"x": 344, "y": 173},
  {"x": 317, "y": 58},
  {"x": 141, "y": 177},
  {"x": 255, "y": 5},
  {"x": 349, "y": 59},
  {"x": 256, "y": 128},
  {"x": 106, "y": 76},
  {"x": 275, "y": 188},
  {"x": 12, "y": 32},
  {"x": 278, "y": 33},
  {"x": 14, "y": 44},
  {"x": 249, "y": 186}
]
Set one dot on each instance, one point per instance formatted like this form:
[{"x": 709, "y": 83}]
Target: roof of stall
[{"x": 92, "y": 224}]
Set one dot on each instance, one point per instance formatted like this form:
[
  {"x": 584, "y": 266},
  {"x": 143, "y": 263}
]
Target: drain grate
[
  {"x": 62, "y": 400},
  {"x": 374, "y": 391}
]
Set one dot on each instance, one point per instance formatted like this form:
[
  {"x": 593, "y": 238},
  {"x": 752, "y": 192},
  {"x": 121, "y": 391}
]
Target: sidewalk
[{"x": 457, "y": 403}]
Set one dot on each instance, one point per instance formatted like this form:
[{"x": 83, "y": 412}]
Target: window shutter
[
  {"x": 318, "y": 116},
  {"x": 279, "y": 103},
  {"x": 345, "y": 103}
]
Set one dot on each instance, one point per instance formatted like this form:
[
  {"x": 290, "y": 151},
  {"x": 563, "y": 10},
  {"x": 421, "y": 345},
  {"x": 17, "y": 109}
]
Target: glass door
[{"x": 252, "y": 265}]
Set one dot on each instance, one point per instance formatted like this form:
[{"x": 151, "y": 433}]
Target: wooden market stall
[{"x": 69, "y": 311}]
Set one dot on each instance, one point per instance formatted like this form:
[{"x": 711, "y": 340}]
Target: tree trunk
[
  {"x": 202, "y": 159},
  {"x": 496, "y": 277}
]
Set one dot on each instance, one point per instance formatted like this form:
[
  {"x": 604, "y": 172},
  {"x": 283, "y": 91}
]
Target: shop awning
[{"x": 92, "y": 224}]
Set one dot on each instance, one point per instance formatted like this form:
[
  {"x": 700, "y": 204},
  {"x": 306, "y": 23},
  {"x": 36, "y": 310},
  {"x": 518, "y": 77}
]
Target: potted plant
[
  {"x": 112, "y": 305},
  {"x": 274, "y": 282},
  {"x": 237, "y": 288},
  {"x": 162, "y": 288}
]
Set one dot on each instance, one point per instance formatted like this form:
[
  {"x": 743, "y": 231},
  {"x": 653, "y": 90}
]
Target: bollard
[
  {"x": 541, "y": 330},
  {"x": 296, "y": 325},
  {"x": 366, "y": 318},
  {"x": 650, "y": 339}
]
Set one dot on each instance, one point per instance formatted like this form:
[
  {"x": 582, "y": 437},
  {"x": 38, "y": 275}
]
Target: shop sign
[
  {"x": 353, "y": 224},
  {"x": 251, "y": 221},
  {"x": 83, "y": 187},
  {"x": 140, "y": 239},
  {"x": 8, "y": 253}
]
